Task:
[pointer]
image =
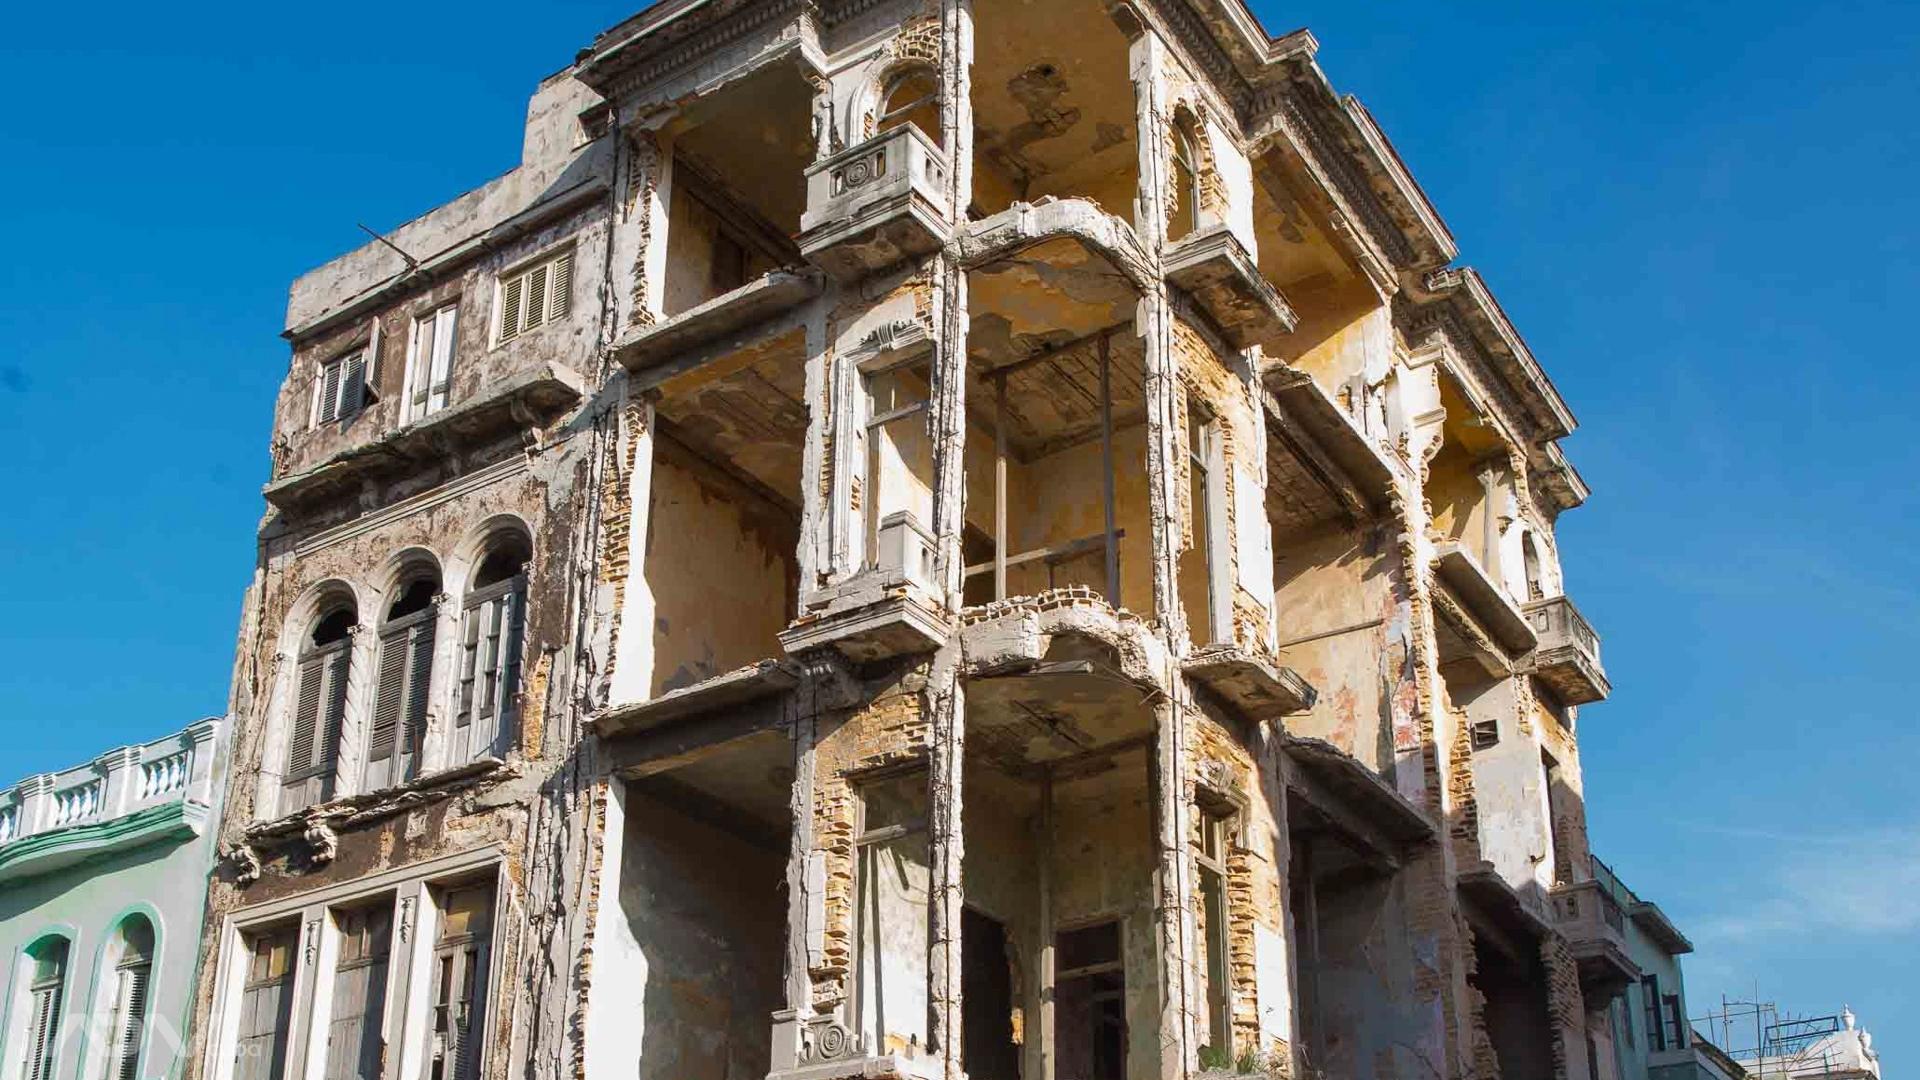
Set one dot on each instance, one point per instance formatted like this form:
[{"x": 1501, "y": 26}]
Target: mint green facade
[{"x": 103, "y": 882}]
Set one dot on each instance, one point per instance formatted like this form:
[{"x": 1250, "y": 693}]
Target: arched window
[
  {"x": 132, "y": 978},
  {"x": 912, "y": 97},
  {"x": 1530, "y": 554},
  {"x": 319, "y": 705},
  {"x": 493, "y": 616},
  {"x": 46, "y": 987},
  {"x": 1186, "y": 182},
  {"x": 405, "y": 675}
]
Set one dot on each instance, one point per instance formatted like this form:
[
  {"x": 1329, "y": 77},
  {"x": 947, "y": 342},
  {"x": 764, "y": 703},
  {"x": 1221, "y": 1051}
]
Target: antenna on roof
[{"x": 412, "y": 263}]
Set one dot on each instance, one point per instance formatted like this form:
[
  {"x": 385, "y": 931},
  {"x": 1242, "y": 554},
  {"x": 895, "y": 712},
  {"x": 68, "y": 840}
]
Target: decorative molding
[
  {"x": 325, "y": 843},
  {"x": 245, "y": 861},
  {"x": 46, "y": 852},
  {"x": 512, "y": 466}
]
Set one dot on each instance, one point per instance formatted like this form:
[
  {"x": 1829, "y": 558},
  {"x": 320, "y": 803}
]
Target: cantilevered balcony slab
[
  {"x": 1596, "y": 931},
  {"x": 1348, "y": 796},
  {"x": 1257, "y": 686},
  {"x": 1568, "y": 656},
  {"x": 535, "y": 395},
  {"x": 1483, "y": 600},
  {"x": 731, "y": 690},
  {"x": 1654, "y": 923},
  {"x": 731, "y": 318},
  {"x": 1215, "y": 269},
  {"x": 876, "y": 204}
]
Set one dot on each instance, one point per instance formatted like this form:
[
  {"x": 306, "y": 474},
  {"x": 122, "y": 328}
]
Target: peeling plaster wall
[
  {"x": 702, "y": 907},
  {"x": 719, "y": 565},
  {"x": 1343, "y": 584}
]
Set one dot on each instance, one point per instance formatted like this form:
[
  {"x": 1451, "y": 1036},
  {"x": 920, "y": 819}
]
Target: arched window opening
[
  {"x": 132, "y": 979},
  {"x": 403, "y": 689},
  {"x": 46, "y": 988},
  {"x": 1530, "y": 554},
  {"x": 912, "y": 97},
  {"x": 493, "y": 616},
  {"x": 319, "y": 707},
  {"x": 1186, "y": 183}
]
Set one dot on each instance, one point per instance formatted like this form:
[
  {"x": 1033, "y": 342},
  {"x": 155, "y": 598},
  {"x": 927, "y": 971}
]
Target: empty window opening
[
  {"x": 1055, "y": 460},
  {"x": 1514, "y": 986},
  {"x": 1553, "y": 796},
  {"x": 430, "y": 360},
  {"x": 1090, "y": 991},
  {"x": 987, "y": 997},
  {"x": 354, "y": 1046},
  {"x": 1198, "y": 559},
  {"x": 893, "y": 877},
  {"x": 1216, "y": 831},
  {"x": 899, "y": 449},
  {"x": 340, "y": 387},
  {"x": 493, "y": 621},
  {"x": 1185, "y": 216},
  {"x": 533, "y": 296},
  {"x": 266, "y": 1004},
  {"x": 404, "y": 679},
  {"x": 912, "y": 97},
  {"x": 319, "y": 707},
  {"x": 1530, "y": 556},
  {"x": 460, "y": 971}
]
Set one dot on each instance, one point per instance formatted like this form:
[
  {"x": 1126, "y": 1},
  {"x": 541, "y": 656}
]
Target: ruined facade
[{"x": 908, "y": 539}]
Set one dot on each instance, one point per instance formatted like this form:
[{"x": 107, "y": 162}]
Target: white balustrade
[{"x": 123, "y": 781}]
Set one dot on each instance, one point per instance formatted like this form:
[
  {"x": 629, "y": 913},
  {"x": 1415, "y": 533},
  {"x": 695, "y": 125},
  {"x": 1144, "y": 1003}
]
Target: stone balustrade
[{"x": 119, "y": 783}]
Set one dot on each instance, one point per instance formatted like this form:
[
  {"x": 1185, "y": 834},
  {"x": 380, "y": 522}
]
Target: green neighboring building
[{"x": 103, "y": 886}]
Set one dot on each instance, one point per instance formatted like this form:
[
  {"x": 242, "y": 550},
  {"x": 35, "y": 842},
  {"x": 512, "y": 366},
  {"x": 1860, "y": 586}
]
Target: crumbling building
[{"x": 914, "y": 538}]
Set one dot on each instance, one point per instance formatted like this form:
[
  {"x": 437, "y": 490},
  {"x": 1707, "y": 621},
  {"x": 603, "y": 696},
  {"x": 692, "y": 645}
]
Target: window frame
[
  {"x": 1219, "y": 824},
  {"x": 332, "y": 665},
  {"x": 419, "y": 640},
  {"x": 336, "y": 410},
  {"x": 413, "y": 891},
  {"x": 875, "y": 429},
  {"x": 429, "y": 382},
  {"x": 521, "y": 273}
]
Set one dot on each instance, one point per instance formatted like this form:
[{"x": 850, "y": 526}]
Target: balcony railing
[
  {"x": 1568, "y": 656},
  {"x": 117, "y": 784},
  {"x": 1595, "y": 927},
  {"x": 876, "y": 204}
]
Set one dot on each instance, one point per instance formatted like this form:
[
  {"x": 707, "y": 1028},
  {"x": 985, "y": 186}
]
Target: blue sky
[{"x": 1701, "y": 216}]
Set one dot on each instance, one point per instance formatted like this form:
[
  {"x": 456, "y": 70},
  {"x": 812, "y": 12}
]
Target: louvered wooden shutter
[
  {"x": 338, "y": 666},
  {"x": 306, "y": 718},
  {"x": 419, "y": 354},
  {"x": 413, "y": 725},
  {"x": 132, "y": 1021},
  {"x": 510, "y": 296},
  {"x": 560, "y": 288},
  {"x": 353, "y": 384},
  {"x": 389, "y": 700},
  {"x": 329, "y": 391},
  {"x": 536, "y": 313},
  {"x": 45, "y": 1032}
]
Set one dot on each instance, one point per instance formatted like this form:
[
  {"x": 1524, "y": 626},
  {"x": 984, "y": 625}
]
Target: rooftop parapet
[{"x": 127, "y": 796}]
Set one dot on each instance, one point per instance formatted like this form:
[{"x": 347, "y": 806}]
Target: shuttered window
[
  {"x": 354, "y": 1045},
  {"x": 460, "y": 982},
  {"x": 340, "y": 386},
  {"x": 320, "y": 705},
  {"x": 536, "y": 295},
  {"x": 430, "y": 362},
  {"x": 400, "y": 699},
  {"x": 266, "y": 1006},
  {"x": 490, "y": 636},
  {"x": 129, "y": 1018},
  {"x": 44, "y": 999}
]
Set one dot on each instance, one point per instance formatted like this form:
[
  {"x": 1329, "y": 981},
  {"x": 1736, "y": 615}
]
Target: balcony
[
  {"x": 124, "y": 798},
  {"x": 1215, "y": 269},
  {"x": 876, "y": 204},
  {"x": 1568, "y": 656},
  {"x": 1595, "y": 927},
  {"x": 893, "y": 608}
]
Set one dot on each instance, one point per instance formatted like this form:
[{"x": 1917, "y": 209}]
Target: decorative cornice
[
  {"x": 619, "y": 69},
  {"x": 51, "y": 851}
]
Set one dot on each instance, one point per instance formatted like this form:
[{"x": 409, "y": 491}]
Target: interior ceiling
[
  {"x": 1465, "y": 430},
  {"x": 751, "y": 780},
  {"x": 1053, "y": 102},
  {"x": 1018, "y": 722},
  {"x": 1038, "y": 318},
  {"x": 1297, "y": 499},
  {"x": 756, "y": 137},
  {"x": 752, "y": 418}
]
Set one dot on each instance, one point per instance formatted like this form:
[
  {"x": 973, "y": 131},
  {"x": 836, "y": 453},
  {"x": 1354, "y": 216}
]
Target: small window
[
  {"x": 1197, "y": 562},
  {"x": 899, "y": 467},
  {"x": 535, "y": 296},
  {"x": 339, "y": 387},
  {"x": 1485, "y": 734},
  {"x": 430, "y": 362},
  {"x": 460, "y": 982},
  {"x": 45, "y": 995}
]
